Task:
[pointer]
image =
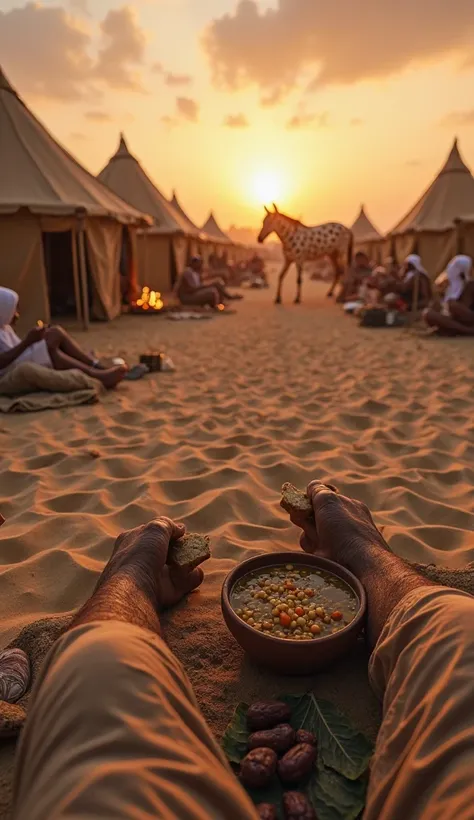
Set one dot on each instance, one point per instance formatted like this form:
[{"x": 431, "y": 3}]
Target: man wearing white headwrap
[
  {"x": 456, "y": 316},
  {"x": 49, "y": 347},
  {"x": 458, "y": 274},
  {"x": 405, "y": 288}
]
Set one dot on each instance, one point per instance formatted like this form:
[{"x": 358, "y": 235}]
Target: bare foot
[{"x": 111, "y": 378}]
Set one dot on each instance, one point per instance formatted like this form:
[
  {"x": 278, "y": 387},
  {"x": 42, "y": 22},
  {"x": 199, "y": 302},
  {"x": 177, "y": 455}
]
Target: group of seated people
[{"x": 447, "y": 306}]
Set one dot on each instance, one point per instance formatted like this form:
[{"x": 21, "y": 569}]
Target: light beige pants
[{"x": 114, "y": 730}]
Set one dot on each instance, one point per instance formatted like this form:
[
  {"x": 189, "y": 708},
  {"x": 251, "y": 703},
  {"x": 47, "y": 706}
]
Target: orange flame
[{"x": 149, "y": 300}]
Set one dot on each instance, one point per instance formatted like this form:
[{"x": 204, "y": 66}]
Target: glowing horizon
[{"x": 195, "y": 100}]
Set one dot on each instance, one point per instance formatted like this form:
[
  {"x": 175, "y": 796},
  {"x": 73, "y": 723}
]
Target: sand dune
[
  {"x": 266, "y": 396},
  {"x": 260, "y": 398}
]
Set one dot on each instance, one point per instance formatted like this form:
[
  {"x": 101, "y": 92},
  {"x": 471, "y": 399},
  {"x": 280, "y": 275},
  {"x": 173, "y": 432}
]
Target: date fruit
[
  {"x": 302, "y": 736},
  {"x": 297, "y": 764},
  {"x": 280, "y": 739},
  {"x": 267, "y": 811},
  {"x": 297, "y": 807},
  {"x": 258, "y": 768},
  {"x": 267, "y": 714}
]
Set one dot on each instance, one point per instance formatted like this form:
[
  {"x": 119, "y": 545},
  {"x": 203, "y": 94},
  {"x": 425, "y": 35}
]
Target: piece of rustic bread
[
  {"x": 295, "y": 501},
  {"x": 189, "y": 551}
]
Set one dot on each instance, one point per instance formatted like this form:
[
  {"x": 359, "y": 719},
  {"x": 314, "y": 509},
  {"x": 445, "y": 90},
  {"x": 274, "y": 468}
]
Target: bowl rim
[{"x": 286, "y": 557}]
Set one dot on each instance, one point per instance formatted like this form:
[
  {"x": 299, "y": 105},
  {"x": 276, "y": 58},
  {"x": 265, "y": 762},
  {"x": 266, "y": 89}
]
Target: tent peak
[
  {"x": 123, "y": 149},
  {"x": 5, "y": 84},
  {"x": 455, "y": 161}
]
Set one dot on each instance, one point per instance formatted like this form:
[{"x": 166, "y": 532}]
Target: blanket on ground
[{"x": 30, "y": 387}]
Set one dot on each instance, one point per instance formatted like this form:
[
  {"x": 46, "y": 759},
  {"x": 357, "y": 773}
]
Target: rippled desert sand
[{"x": 266, "y": 396}]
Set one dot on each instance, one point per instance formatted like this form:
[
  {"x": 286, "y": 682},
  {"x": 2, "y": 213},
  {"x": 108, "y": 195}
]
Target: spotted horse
[{"x": 303, "y": 244}]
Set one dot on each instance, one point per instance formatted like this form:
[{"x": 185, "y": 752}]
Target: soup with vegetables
[{"x": 295, "y": 602}]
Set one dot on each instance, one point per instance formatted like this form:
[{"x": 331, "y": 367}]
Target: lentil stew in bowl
[
  {"x": 287, "y": 649},
  {"x": 295, "y": 602}
]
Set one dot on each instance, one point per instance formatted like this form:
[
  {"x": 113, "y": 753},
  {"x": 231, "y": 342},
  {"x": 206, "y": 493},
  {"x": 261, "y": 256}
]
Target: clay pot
[{"x": 284, "y": 655}]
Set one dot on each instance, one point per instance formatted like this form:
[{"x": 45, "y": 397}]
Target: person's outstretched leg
[
  {"x": 462, "y": 314},
  {"x": 204, "y": 296},
  {"x": 422, "y": 666},
  {"x": 224, "y": 294},
  {"x": 113, "y": 727},
  {"x": 114, "y": 731},
  {"x": 109, "y": 378},
  {"x": 446, "y": 324},
  {"x": 57, "y": 338}
]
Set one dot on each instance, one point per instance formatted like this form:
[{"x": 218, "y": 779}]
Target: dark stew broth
[{"x": 294, "y": 602}]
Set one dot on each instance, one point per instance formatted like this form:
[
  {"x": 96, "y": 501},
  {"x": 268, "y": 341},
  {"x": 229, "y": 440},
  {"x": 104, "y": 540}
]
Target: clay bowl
[{"x": 282, "y": 655}]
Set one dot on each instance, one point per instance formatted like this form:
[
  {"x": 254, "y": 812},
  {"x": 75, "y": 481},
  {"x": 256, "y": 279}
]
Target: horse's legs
[
  {"x": 335, "y": 280},
  {"x": 338, "y": 273},
  {"x": 300, "y": 282},
  {"x": 285, "y": 269}
]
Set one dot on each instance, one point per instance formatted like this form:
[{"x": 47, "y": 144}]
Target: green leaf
[
  {"x": 340, "y": 745},
  {"x": 336, "y": 789},
  {"x": 271, "y": 794},
  {"x": 236, "y": 735},
  {"x": 334, "y": 797}
]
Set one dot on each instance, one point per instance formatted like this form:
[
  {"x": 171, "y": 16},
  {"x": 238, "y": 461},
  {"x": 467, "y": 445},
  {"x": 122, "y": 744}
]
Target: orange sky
[{"x": 366, "y": 102}]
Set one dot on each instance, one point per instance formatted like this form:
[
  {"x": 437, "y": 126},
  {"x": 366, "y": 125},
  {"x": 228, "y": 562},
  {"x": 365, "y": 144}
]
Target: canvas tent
[
  {"x": 212, "y": 229},
  {"x": 223, "y": 243},
  {"x": 163, "y": 248},
  {"x": 62, "y": 233},
  {"x": 367, "y": 239},
  {"x": 199, "y": 242},
  {"x": 441, "y": 223}
]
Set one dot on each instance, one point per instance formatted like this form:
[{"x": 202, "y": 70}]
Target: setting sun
[{"x": 268, "y": 186}]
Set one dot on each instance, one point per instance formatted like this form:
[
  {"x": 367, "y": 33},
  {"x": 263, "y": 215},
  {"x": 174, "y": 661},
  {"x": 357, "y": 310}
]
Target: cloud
[
  {"x": 177, "y": 79},
  {"x": 49, "y": 53},
  {"x": 458, "y": 118},
  {"x": 97, "y": 116},
  {"x": 187, "y": 108},
  {"x": 236, "y": 121},
  {"x": 306, "y": 120},
  {"x": 273, "y": 98},
  {"x": 339, "y": 42},
  {"x": 80, "y": 5},
  {"x": 170, "y": 78},
  {"x": 45, "y": 51},
  {"x": 123, "y": 49}
]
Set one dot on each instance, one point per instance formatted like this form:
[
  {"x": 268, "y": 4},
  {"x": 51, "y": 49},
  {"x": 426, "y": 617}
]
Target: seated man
[
  {"x": 414, "y": 286},
  {"x": 114, "y": 731},
  {"x": 191, "y": 291},
  {"x": 353, "y": 284},
  {"x": 455, "y": 317},
  {"x": 48, "y": 346}
]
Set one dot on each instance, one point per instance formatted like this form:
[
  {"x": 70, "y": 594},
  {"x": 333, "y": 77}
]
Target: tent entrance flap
[{"x": 58, "y": 253}]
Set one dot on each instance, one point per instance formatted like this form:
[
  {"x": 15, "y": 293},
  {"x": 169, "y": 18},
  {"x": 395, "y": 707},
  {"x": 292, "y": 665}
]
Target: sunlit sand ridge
[{"x": 266, "y": 396}]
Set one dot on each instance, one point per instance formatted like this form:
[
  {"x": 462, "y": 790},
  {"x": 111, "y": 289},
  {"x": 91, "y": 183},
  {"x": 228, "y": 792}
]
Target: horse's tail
[{"x": 350, "y": 249}]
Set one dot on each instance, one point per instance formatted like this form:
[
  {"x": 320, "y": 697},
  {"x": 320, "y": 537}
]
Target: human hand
[
  {"x": 142, "y": 553},
  {"x": 36, "y": 334},
  {"x": 341, "y": 526}
]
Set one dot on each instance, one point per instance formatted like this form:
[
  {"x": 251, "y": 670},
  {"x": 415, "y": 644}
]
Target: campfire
[{"x": 150, "y": 300}]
